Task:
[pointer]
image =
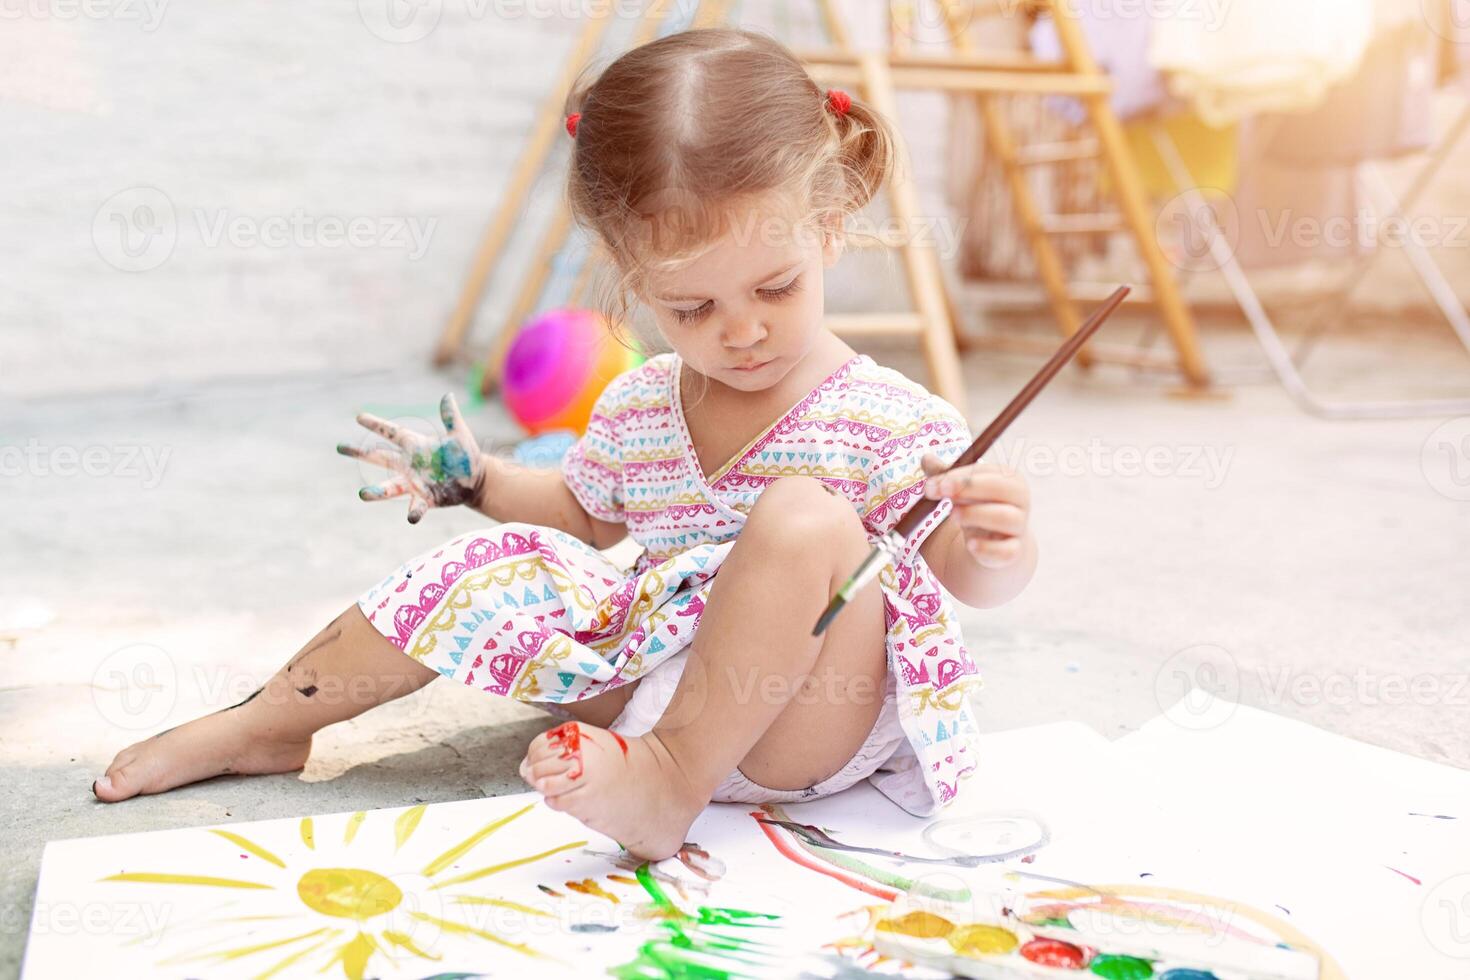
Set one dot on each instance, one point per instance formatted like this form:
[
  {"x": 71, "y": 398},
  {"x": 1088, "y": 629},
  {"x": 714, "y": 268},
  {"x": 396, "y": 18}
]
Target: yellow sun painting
[{"x": 348, "y": 897}]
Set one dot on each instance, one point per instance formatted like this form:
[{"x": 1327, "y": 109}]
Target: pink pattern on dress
[{"x": 861, "y": 431}]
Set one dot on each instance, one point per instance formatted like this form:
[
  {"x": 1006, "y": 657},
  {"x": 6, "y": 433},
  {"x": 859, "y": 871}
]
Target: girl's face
[{"x": 750, "y": 309}]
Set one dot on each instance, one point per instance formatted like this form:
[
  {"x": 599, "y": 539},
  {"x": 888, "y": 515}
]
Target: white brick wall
[{"x": 276, "y": 111}]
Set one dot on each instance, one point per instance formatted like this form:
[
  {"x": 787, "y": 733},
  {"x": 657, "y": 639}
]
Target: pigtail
[{"x": 867, "y": 150}]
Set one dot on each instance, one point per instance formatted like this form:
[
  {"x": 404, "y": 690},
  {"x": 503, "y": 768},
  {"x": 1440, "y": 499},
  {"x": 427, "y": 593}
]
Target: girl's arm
[{"x": 508, "y": 491}]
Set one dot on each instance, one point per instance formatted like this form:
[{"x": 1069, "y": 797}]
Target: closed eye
[
  {"x": 783, "y": 291},
  {"x": 685, "y": 316},
  {"x": 775, "y": 295}
]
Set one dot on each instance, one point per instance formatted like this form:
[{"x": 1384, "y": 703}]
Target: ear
[{"x": 834, "y": 242}]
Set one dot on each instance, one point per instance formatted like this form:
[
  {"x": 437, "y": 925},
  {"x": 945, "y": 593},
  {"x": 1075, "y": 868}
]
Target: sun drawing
[{"x": 324, "y": 916}]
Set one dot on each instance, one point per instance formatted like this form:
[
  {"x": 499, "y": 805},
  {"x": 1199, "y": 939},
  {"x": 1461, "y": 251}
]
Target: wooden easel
[
  {"x": 550, "y": 126},
  {"x": 934, "y": 321},
  {"x": 932, "y": 324},
  {"x": 988, "y": 76}
]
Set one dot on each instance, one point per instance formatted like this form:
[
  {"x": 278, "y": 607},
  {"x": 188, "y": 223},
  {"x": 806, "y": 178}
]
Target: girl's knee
[{"x": 803, "y": 511}]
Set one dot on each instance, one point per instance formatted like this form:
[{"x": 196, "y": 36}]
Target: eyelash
[{"x": 685, "y": 316}]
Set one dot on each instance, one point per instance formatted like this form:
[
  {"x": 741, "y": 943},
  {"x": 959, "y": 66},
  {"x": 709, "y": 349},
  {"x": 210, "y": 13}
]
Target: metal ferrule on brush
[{"x": 886, "y": 549}]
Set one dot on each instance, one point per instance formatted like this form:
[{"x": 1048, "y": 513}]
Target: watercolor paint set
[{"x": 1105, "y": 937}]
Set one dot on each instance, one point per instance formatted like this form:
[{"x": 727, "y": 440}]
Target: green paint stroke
[
  {"x": 687, "y": 948},
  {"x": 1122, "y": 967}
]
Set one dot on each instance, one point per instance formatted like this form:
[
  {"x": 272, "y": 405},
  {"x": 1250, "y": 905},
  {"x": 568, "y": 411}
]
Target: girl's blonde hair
[{"x": 675, "y": 135}]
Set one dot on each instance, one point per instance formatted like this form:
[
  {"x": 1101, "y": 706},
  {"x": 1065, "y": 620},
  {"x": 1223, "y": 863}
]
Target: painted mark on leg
[
  {"x": 246, "y": 701},
  {"x": 322, "y": 640}
]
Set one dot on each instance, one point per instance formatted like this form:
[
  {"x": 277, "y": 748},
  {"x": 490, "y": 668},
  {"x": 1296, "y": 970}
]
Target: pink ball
[{"x": 556, "y": 368}]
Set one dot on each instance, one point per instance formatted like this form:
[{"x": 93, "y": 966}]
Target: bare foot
[
  {"x": 629, "y": 789},
  {"x": 213, "y": 745}
]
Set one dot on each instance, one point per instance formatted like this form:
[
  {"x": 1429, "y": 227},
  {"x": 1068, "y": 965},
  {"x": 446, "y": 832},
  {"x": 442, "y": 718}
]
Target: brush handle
[{"x": 993, "y": 431}]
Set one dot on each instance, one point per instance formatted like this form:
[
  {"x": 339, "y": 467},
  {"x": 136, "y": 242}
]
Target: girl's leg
[
  {"x": 759, "y": 692},
  {"x": 346, "y": 668}
]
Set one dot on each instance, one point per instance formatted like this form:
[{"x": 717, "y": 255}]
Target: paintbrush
[{"x": 891, "y": 544}]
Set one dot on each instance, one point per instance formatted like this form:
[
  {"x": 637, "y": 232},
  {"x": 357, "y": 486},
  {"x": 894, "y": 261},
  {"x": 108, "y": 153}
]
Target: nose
[{"x": 743, "y": 332}]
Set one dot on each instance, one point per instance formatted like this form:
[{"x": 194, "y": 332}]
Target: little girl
[{"x": 755, "y": 463}]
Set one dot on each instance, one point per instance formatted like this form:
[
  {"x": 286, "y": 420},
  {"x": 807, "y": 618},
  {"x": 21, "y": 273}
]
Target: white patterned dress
[{"x": 532, "y": 613}]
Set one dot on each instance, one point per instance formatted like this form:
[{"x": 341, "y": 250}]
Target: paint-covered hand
[
  {"x": 991, "y": 506},
  {"x": 432, "y": 472}
]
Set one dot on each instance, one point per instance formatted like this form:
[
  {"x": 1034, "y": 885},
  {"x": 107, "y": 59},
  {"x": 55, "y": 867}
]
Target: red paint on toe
[{"x": 568, "y": 738}]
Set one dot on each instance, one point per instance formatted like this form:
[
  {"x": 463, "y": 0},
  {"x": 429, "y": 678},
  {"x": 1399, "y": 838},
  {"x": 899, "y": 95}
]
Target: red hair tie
[
  {"x": 572, "y": 124},
  {"x": 838, "y": 101}
]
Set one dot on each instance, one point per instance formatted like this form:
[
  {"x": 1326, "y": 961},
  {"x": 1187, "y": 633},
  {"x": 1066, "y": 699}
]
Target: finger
[
  {"x": 375, "y": 456},
  {"x": 1005, "y": 519},
  {"x": 454, "y": 424},
  {"x": 406, "y": 438},
  {"x": 449, "y": 414},
  {"x": 386, "y": 490},
  {"x": 932, "y": 464},
  {"x": 992, "y": 553},
  {"x": 418, "y": 509},
  {"x": 980, "y": 487}
]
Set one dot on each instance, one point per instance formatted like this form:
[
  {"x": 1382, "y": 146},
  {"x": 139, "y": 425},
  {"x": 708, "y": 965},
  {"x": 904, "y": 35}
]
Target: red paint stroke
[
  {"x": 568, "y": 737},
  {"x": 622, "y": 743},
  {"x": 788, "y": 852},
  {"x": 1409, "y": 876}
]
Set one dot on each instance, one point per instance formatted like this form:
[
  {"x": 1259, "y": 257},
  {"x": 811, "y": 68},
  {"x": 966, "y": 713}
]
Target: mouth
[{"x": 756, "y": 366}]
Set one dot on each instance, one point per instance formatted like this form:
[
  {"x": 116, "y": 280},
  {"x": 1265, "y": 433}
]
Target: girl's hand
[
  {"x": 433, "y": 472},
  {"x": 991, "y": 505}
]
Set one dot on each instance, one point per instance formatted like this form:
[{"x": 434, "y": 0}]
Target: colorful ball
[{"x": 557, "y": 366}]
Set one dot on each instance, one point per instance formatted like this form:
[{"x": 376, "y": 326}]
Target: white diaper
[{"x": 654, "y": 691}]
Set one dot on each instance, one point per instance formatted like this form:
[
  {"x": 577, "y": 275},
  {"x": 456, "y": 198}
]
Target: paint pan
[{"x": 1116, "y": 940}]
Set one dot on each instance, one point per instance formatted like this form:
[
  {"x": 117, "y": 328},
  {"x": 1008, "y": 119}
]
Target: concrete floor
[{"x": 1319, "y": 568}]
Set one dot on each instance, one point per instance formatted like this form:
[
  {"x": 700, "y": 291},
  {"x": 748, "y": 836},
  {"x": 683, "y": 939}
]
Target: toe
[
  {"x": 540, "y": 748},
  {"x": 116, "y": 785},
  {"x": 553, "y": 766},
  {"x": 555, "y": 785}
]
